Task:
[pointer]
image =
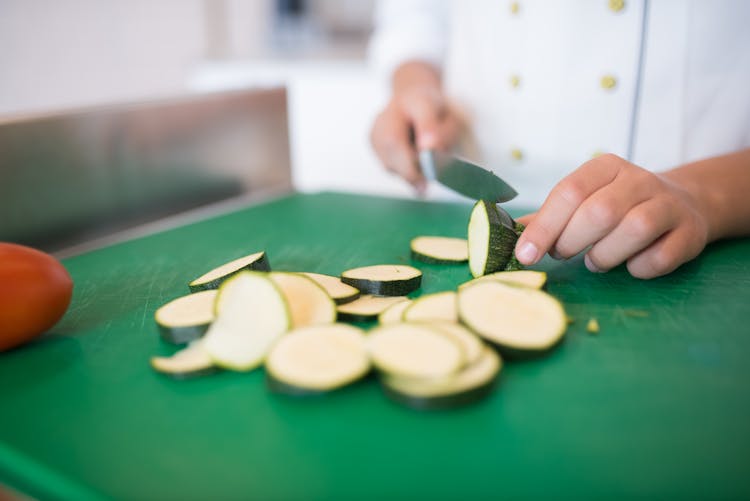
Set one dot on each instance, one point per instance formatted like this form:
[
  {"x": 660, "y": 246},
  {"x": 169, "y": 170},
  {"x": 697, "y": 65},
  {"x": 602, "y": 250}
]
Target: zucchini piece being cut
[
  {"x": 413, "y": 350},
  {"x": 394, "y": 313},
  {"x": 519, "y": 320},
  {"x": 367, "y": 307},
  {"x": 437, "y": 306},
  {"x": 492, "y": 238},
  {"x": 317, "y": 359},
  {"x": 384, "y": 279},
  {"x": 340, "y": 292},
  {"x": 214, "y": 278},
  {"x": 309, "y": 304},
  {"x": 186, "y": 318},
  {"x": 440, "y": 250},
  {"x": 471, "y": 384},
  {"x": 251, "y": 314},
  {"x": 526, "y": 278},
  {"x": 189, "y": 362}
]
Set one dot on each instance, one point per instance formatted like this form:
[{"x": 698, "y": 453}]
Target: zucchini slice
[
  {"x": 317, "y": 359},
  {"x": 214, "y": 278},
  {"x": 394, "y": 313},
  {"x": 251, "y": 314},
  {"x": 309, "y": 304},
  {"x": 189, "y": 362},
  {"x": 384, "y": 279},
  {"x": 519, "y": 320},
  {"x": 367, "y": 307},
  {"x": 186, "y": 318},
  {"x": 413, "y": 350},
  {"x": 526, "y": 278},
  {"x": 472, "y": 344},
  {"x": 492, "y": 238},
  {"x": 437, "y": 306},
  {"x": 471, "y": 384},
  {"x": 440, "y": 250},
  {"x": 340, "y": 292}
]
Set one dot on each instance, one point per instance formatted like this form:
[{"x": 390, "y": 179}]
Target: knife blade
[{"x": 464, "y": 177}]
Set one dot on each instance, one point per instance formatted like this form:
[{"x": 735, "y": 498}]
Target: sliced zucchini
[
  {"x": 340, "y": 292},
  {"x": 440, "y": 250},
  {"x": 526, "y": 278},
  {"x": 189, "y": 362},
  {"x": 491, "y": 238},
  {"x": 474, "y": 382},
  {"x": 214, "y": 278},
  {"x": 317, "y": 359},
  {"x": 413, "y": 350},
  {"x": 394, "y": 313},
  {"x": 186, "y": 318},
  {"x": 309, "y": 303},
  {"x": 251, "y": 315},
  {"x": 471, "y": 343},
  {"x": 519, "y": 320},
  {"x": 384, "y": 279},
  {"x": 367, "y": 307},
  {"x": 437, "y": 306}
]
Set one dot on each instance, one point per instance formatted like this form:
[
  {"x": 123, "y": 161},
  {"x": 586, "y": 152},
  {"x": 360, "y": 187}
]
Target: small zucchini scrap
[
  {"x": 340, "y": 292},
  {"x": 214, "y": 278},
  {"x": 317, "y": 359},
  {"x": 440, "y": 250},
  {"x": 384, "y": 279},
  {"x": 186, "y": 318},
  {"x": 437, "y": 306},
  {"x": 367, "y": 307},
  {"x": 592, "y": 326},
  {"x": 189, "y": 362},
  {"x": 492, "y": 238}
]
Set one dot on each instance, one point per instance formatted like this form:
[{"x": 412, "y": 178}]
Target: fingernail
[
  {"x": 590, "y": 265},
  {"x": 527, "y": 253},
  {"x": 556, "y": 255}
]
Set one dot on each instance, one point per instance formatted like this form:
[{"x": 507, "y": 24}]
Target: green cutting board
[{"x": 656, "y": 405}]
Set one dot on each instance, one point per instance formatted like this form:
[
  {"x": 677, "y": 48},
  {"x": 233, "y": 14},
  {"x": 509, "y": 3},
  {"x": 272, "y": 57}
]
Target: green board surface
[{"x": 656, "y": 405}]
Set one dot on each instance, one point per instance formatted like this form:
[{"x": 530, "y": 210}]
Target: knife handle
[{"x": 427, "y": 164}]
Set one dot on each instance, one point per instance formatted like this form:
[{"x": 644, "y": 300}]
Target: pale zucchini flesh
[
  {"x": 526, "y": 278},
  {"x": 394, "y": 313},
  {"x": 367, "y": 307},
  {"x": 214, "y": 278},
  {"x": 473, "y": 383},
  {"x": 186, "y": 318},
  {"x": 340, "y": 292},
  {"x": 384, "y": 279},
  {"x": 471, "y": 343},
  {"x": 412, "y": 350},
  {"x": 309, "y": 303},
  {"x": 191, "y": 361},
  {"x": 317, "y": 359},
  {"x": 437, "y": 306},
  {"x": 519, "y": 320},
  {"x": 440, "y": 250},
  {"x": 492, "y": 238},
  {"x": 251, "y": 315}
]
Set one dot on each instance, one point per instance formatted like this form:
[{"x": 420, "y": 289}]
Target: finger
[
  {"x": 640, "y": 227},
  {"x": 526, "y": 219},
  {"x": 665, "y": 254},
  {"x": 603, "y": 211},
  {"x": 562, "y": 202},
  {"x": 392, "y": 145},
  {"x": 428, "y": 113}
]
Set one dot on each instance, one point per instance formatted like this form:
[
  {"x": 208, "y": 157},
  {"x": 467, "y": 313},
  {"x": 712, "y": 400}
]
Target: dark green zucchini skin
[
  {"x": 191, "y": 374},
  {"x": 502, "y": 239},
  {"x": 260, "y": 264},
  {"x": 418, "y": 256},
  {"x": 385, "y": 288},
  {"x": 283, "y": 388},
  {"x": 442, "y": 402},
  {"x": 182, "y": 335},
  {"x": 514, "y": 353},
  {"x": 355, "y": 317},
  {"x": 347, "y": 299}
]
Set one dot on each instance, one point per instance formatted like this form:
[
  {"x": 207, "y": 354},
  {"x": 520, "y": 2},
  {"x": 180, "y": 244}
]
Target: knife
[{"x": 464, "y": 177}]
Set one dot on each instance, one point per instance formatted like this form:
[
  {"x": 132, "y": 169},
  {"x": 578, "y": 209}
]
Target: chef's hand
[
  {"x": 623, "y": 213},
  {"x": 417, "y": 117}
]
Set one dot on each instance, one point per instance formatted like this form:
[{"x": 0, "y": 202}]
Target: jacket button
[
  {"x": 616, "y": 5},
  {"x": 608, "y": 82},
  {"x": 514, "y": 81},
  {"x": 515, "y": 7},
  {"x": 516, "y": 154}
]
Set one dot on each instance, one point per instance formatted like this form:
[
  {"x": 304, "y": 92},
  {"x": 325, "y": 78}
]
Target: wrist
[{"x": 413, "y": 75}]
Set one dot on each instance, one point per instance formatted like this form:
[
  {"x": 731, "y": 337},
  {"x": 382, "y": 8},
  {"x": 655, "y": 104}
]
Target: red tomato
[{"x": 35, "y": 291}]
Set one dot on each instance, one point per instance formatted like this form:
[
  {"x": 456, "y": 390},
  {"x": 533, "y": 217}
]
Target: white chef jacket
[{"x": 547, "y": 84}]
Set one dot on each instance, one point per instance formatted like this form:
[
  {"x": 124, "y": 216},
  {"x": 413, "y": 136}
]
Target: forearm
[{"x": 721, "y": 188}]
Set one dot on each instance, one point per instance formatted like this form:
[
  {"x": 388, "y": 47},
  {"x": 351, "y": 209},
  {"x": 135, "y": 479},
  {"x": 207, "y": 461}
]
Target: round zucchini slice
[
  {"x": 309, "y": 304},
  {"x": 440, "y": 250},
  {"x": 520, "y": 321},
  {"x": 384, "y": 279},
  {"x": 340, "y": 292},
  {"x": 214, "y": 278},
  {"x": 317, "y": 359},
  {"x": 526, "y": 278},
  {"x": 473, "y": 383},
  {"x": 492, "y": 238},
  {"x": 394, "y": 313},
  {"x": 437, "y": 306},
  {"x": 189, "y": 362},
  {"x": 186, "y": 318},
  {"x": 412, "y": 350},
  {"x": 471, "y": 343},
  {"x": 367, "y": 307}
]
